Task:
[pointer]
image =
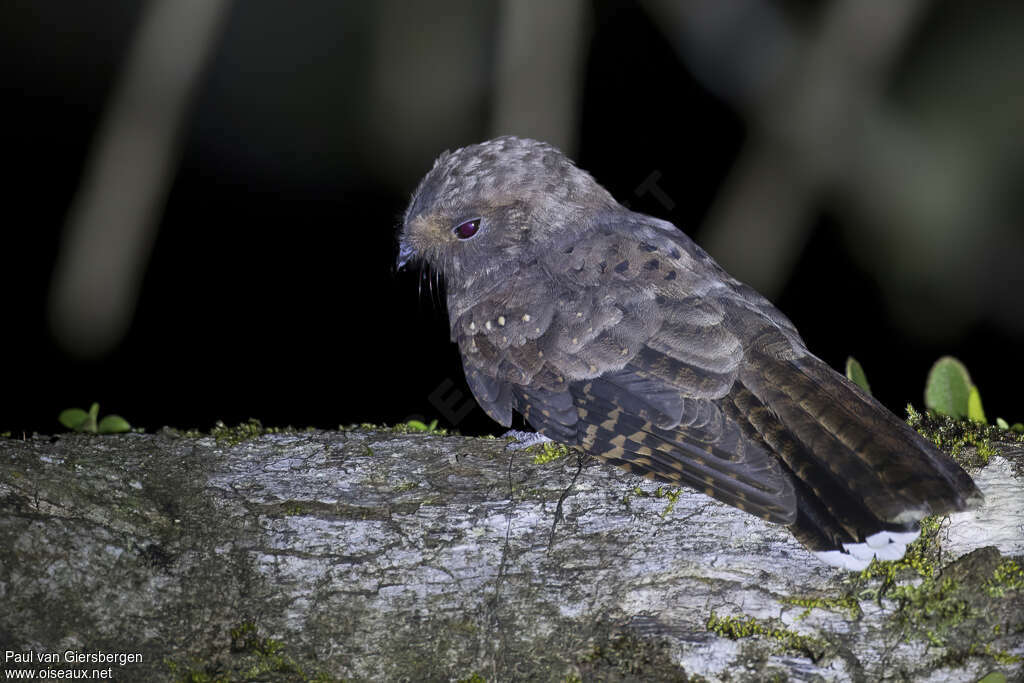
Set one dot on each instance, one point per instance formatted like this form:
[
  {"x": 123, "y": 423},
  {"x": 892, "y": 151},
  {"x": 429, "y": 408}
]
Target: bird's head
[{"x": 488, "y": 207}]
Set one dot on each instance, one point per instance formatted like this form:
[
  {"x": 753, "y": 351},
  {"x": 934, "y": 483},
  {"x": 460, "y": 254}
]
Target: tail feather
[
  {"x": 906, "y": 463},
  {"x": 826, "y": 503},
  {"x": 865, "y": 478}
]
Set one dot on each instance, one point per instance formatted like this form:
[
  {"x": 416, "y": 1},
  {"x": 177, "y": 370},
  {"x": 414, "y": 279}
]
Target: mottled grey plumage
[{"x": 613, "y": 331}]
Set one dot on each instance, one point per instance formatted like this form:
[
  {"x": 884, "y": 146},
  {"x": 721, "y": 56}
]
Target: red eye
[{"x": 466, "y": 230}]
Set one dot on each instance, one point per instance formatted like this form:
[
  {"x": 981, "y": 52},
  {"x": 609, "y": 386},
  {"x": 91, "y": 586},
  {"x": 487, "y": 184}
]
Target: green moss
[
  {"x": 735, "y": 628},
  {"x": 950, "y": 607},
  {"x": 417, "y": 426},
  {"x": 669, "y": 492},
  {"x": 292, "y": 509},
  {"x": 973, "y": 602},
  {"x": 270, "y": 657},
  {"x": 931, "y": 608},
  {"x": 473, "y": 678},
  {"x": 928, "y": 609},
  {"x": 1002, "y": 656},
  {"x": 410, "y": 427},
  {"x": 921, "y": 558},
  {"x": 623, "y": 656},
  {"x": 673, "y": 497},
  {"x": 182, "y": 675},
  {"x": 406, "y": 486},
  {"x": 845, "y": 603},
  {"x": 253, "y": 658},
  {"x": 548, "y": 452},
  {"x": 957, "y": 436},
  {"x": 1008, "y": 576},
  {"x": 247, "y": 431},
  {"x": 986, "y": 650}
]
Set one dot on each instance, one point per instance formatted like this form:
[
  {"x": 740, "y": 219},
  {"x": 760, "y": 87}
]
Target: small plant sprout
[
  {"x": 79, "y": 420},
  {"x": 855, "y": 373},
  {"x": 1016, "y": 427},
  {"x": 949, "y": 391},
  {"x": 417, "y": 426}
]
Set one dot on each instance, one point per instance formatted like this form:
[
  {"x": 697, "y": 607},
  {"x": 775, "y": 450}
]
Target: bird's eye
[{"x": 466, "y": 230}]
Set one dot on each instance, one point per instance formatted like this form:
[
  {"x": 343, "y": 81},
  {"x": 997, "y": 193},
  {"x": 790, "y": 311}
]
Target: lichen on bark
[{"x": 373, "y": 554}]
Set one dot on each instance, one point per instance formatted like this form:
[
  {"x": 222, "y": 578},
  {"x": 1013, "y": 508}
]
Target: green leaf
[
  {"x": 948, "y": 389},
  {"x": 1017, "y": 427},
  {"x": 89, "y": 423},
  {"x": 855, "y": 373},
  {"x": 114, "y": 424},
  {"x": 417, "y": 426},
  {"x": 1002, "y": 424},
  {"x": 993, "y": 677},
  {"x": 974, "y": 410},
  {"x": 72, "y": 418}
]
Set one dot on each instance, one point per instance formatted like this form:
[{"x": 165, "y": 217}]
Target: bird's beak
[{"x": 405, "y": 254}]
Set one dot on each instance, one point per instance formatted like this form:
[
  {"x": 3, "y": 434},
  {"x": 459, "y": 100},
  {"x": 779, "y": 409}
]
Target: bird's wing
[{"x": 619, "y": 345}]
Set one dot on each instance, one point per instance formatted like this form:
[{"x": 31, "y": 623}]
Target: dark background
[{"x": 270, "y": 290}]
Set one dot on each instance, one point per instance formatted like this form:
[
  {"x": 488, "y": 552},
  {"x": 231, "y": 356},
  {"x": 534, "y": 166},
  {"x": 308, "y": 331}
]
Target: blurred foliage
[
  {"x": 79, "y": 420},
  {"x": 855, "y": 373},
  {"x": 948, "y": 391}
]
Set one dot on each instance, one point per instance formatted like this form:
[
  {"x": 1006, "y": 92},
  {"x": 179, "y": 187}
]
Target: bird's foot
[{"x": 523, "y": 440}]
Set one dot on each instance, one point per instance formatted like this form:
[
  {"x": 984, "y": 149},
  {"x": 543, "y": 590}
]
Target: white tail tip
[{"x": 885, "y": 545}]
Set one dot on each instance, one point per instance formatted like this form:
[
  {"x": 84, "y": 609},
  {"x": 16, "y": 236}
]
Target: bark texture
[{"x": 374, "y": 555}]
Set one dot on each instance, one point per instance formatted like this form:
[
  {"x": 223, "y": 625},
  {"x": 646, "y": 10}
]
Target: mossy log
[{"x": 376, "y": 555}]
